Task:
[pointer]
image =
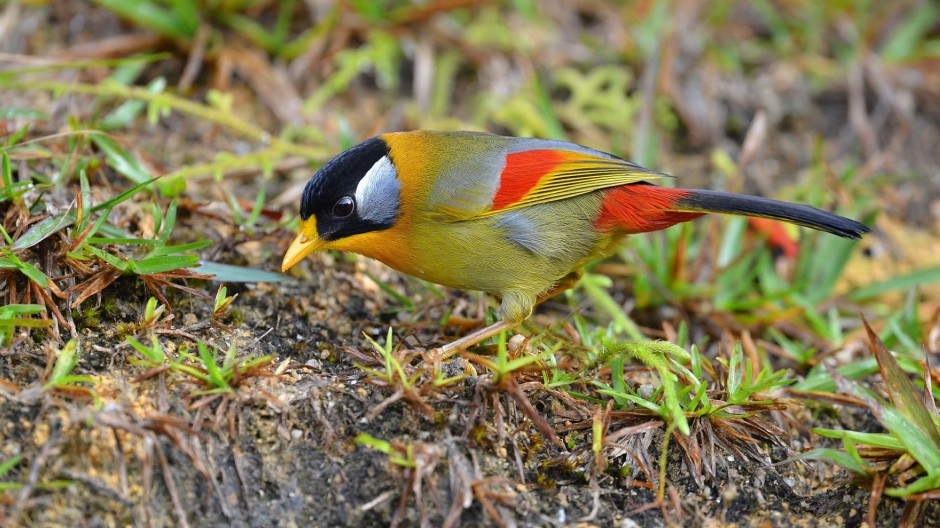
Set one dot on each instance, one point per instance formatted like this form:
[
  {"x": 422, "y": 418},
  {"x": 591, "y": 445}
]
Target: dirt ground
[
  {"x": 281, "y": 451},
  {"x": 288, "y": 459}
]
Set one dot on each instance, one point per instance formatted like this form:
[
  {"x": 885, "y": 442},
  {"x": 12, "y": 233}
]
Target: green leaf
[
  {"x": 51, "y": 225},
  {"x": 153, "y": 353},
  {"x": 823, "y": 265},
  {"x": 66, "y": 359},
  {"x": 172, "y": 187},
  {"x": 31, "y": 272},
  {"x": 121, "y": 241},
  {"x": 881, "y": 440},
  {"x": 404, "y": 300},
  {"x": 902, "y": 282},
  {"x": 839, "y": 458},
  {"x": 169, "y": 221},
  {"x": 124, "y": 115},
  {"x": 164, "y": 264},
  {"x": 12, "y": 310},
  {"x": 904, "y": 40},
  {"x": 44, "y": 229},
  {"x": 120, "y": 159},
  {"x": 907, "y": 400},
  {"x": 920, "y": 443},
  {"x": 230, "y": 273},
  {"x": 109, "y": 204},
  {"x": 928, "y": 482},
  {"x": 732, "y": 241},
  {"x": 182, "y": 248},
  {"x": 257, "y": 208},
  {"x": 118, "y": 263},
  {"x": 7, "y": 174},
  {"x": 818, "y": 379},
  {"x": 9, "y": 464},
  {"x": 8, "y": 323},
  {"x": 178, "y": 20},
  {"x": 25, "y": 113},
  {"x": 216, "y": 376}
]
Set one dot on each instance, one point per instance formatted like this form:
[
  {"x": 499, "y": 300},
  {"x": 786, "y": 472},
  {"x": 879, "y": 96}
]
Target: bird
[{"x": 515, "y": 217}]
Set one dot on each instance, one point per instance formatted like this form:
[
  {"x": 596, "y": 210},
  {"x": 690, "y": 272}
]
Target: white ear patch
[{"x": 378, "y": 194}]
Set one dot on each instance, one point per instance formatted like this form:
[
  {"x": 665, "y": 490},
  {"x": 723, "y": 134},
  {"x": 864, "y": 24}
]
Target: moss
[{"x": 88, "y": 317}]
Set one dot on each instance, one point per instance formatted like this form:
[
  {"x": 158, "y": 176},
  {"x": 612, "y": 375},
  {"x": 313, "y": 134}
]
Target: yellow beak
[{"x": 307, "y": 242}]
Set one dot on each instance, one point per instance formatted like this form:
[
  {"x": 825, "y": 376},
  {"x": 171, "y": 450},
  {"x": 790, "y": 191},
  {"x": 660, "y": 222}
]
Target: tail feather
[
  {"x": 639, "y": 208},
  {"x": 702, "y": 201}
]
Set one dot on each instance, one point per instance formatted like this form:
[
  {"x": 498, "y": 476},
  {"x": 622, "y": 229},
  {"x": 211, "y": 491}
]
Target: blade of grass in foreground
[
  {"x": 909, "y": 419},
  {"x": 53, "y": 224},
  {"x": 230, "y": 273},
  {"x": 902, "y": 282}
]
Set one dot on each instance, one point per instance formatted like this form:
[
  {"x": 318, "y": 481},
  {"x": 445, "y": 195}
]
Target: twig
[
  {"x": 170, "y": 484},
  {"x": 33, "y": 476}
]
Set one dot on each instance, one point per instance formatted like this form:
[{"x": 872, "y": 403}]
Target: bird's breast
[{"x": 527, "y": 249}]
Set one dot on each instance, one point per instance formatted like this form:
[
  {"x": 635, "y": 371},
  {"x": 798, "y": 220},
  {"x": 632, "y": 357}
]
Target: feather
[
  {"x": 522, "y": 172},
  {"x": 642, "y": 208},
  {"x": 538, "y": 176},
  {"x": 755, "y": 206},
  {"x": 496, "y": 174}
]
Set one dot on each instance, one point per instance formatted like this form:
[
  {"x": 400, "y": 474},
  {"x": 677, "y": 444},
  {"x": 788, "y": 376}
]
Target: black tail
[{"x": 699, "y": 201}]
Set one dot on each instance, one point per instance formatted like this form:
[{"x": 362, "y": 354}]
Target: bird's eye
[{"x": 344, "y": 207}]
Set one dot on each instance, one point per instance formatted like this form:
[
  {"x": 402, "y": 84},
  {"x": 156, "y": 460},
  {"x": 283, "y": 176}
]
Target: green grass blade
[
  {"x": 120, "y": 159},
  {"x": 144, "y": 13},
  {"x": 839, "y": 458},
  {"x": 11, "y": 310},
  {"x": 182, "y": 248},
  {"x": 165, "y": 263},
  {"x": 31, "y": 272},
  {"x": 125, "y": 241},
  {"x": 9, "y": 464},
  {"x": 880, "y": 440},
  {"x": 926, "y": 483},
  {"x": 230, "y": 273},
  {"x": 906, "y": 398},
  {"x": 216, "y": 377},
  {"x": 44, "y": 229},
  {"x": 402, "y": 299},
  {"x": 921, "y": 444},
  {"x": 902, "y": 282}
]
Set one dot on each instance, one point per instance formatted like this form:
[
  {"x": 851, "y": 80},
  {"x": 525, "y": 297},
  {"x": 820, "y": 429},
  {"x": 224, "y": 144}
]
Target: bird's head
[{"x": 355, "y": 193}]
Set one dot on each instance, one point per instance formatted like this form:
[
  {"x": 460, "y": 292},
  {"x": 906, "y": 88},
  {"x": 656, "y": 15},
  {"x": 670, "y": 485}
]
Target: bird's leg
[
  {"x": 515, "y": 307},
  {"x": 475, "y": 337},
  {"x": 467, "y": 341}
]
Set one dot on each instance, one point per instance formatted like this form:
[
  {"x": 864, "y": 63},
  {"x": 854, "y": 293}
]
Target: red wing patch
[
  {"x": 522, "y": 172},
  {"x": 641, "y": 208}
]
